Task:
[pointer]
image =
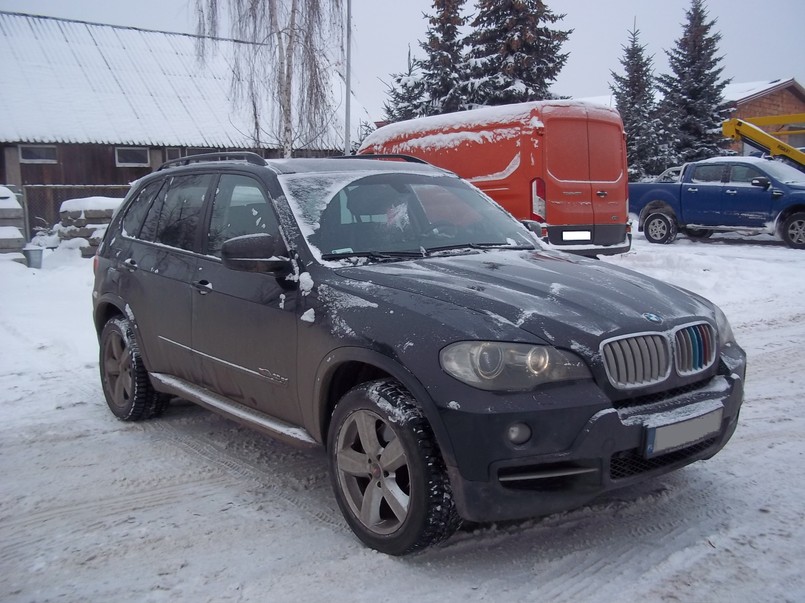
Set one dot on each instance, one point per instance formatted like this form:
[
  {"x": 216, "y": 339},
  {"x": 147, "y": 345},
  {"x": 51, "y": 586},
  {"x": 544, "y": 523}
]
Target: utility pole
[{"x": 347, "y": 124}]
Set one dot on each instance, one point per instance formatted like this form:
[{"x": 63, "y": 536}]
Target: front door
[
  {"x": 244, "y": 323},
  {"x": 744, "y": 204}
]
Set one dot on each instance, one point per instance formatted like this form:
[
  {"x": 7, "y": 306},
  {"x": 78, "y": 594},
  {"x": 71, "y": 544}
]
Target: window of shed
[
  {"x": 38, "y": 153},
  {"x": 132, "y": 157}
]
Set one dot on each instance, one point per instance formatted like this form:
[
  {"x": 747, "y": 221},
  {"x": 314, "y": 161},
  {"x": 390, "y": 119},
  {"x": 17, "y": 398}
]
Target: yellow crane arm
[{"x": 740, "y": 129}]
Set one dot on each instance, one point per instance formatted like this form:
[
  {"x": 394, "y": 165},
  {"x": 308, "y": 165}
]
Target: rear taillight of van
[{"x": 538, "y": 200}]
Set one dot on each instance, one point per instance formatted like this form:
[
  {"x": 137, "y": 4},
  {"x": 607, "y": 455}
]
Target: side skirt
[{"x": 296, "y": 436}]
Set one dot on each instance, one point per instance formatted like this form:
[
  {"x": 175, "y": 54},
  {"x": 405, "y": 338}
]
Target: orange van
[{"x": 560, "y": 164}]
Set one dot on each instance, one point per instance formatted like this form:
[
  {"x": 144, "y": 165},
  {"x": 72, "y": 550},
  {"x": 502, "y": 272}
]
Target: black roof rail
[
  {"x": 408, "y": 158},
  {"x": 246, "y": 156}
]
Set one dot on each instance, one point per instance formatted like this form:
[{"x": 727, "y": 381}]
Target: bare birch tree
[{"x": 284, "y": 51}]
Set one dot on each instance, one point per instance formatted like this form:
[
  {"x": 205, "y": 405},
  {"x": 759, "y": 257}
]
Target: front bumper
[{"x": 607, "y": 453}]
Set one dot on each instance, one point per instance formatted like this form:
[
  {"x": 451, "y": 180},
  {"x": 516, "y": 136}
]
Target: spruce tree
[
  {"x": 647, "y": 148},
  {"x": 693, "y": 93},
  {"x": 406, "y": 93},
  {"x": 514, "y": 55},
  {"x": 441, "y": 69}
]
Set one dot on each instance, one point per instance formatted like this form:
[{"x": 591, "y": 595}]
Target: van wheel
[
  {"x": 660, "y": 228},
  {"x": 794, "y": 230},
  {"x": 125, "y": 381},
  {"x": 386, "y": 471}
]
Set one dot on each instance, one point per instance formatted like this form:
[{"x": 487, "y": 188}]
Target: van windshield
[{"x": 397, "y": 215}]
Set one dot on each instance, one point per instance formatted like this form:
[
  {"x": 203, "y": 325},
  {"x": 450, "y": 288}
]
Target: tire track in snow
[
  {"x": 299, "y": 482},
  {"x": 20, "y": 535}
]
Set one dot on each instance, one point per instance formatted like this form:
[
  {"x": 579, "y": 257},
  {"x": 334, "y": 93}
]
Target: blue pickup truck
[{"x": 725, "y": 194}]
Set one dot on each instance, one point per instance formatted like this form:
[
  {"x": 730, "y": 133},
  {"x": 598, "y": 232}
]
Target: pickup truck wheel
[
  {"x": 660, "y": 228},
  {"x": 125, "y": 381},
  {"x": 794, "y": 230},
  {"x": 386, "y": 471},
  {"x": 698, "y": 233}
]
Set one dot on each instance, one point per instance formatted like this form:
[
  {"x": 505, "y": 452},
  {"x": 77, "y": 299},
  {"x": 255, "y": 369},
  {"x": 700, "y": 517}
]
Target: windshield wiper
[
  {"x": 478, "y": 246},
  {"x": 372, "y": 255}
]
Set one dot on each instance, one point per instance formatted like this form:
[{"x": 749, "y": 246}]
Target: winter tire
[
  {"x": 660, "y": 228},
  {"x": 388, "y": 476},
  {"x": 126, "y": 386},
  {"x": 793, "y": 231}
]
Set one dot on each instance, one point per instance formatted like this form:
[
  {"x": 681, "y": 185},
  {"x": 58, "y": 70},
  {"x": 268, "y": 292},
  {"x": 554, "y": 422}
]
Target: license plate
[
  {"x": 667, "y": 438},
  {"x": 576, "y": 235}
]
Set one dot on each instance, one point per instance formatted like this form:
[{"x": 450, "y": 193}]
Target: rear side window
[
  {"x": 133, "y": 220},
  {"x": 175, "y": 213},
  {"x": 708, "y": 173}
]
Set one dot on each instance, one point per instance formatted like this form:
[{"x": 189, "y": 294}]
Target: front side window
[
  {"x": 240, "y": 208},
  {"x": 38, "y": 153},
  {"x": 743, "y": 174},
  {"x": 175, "y": 213},
  {"x": 132, "y": 157}
]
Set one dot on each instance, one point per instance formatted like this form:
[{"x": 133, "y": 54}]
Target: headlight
[
  {"x": 497, "y": 366},
  {"x": 724, "y": 328}
]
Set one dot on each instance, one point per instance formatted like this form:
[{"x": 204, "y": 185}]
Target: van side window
[
  {"x": 174, "y": 216},
  {"x": 133, "y": 220},
  {"x": 240, "y": 208}
]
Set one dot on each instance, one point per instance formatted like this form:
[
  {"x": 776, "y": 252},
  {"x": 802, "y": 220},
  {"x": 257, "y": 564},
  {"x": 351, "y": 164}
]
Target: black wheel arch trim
[
  {"x": 338, "y": 357},
  {"x": 110, "y": 305}
]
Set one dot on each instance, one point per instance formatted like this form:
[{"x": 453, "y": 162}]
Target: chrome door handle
[
  {"x": 130, "y": 264},
  {"x": 601, "y": 194},
  {"x": 693, "y": 190}
]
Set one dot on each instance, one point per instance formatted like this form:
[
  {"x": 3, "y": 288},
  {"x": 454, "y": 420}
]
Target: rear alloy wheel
[
  {"x": 794, "y": 230},
  {"x": 660, "y": 228},
  {"x": 387, "y": 474},
  {"x": 125, "y": 381}
]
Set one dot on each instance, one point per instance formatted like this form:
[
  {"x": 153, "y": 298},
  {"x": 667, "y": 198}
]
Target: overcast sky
[{"x": 760, "y": 40}]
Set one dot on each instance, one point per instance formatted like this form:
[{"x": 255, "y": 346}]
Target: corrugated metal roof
[{"x": 68, "y": 81}]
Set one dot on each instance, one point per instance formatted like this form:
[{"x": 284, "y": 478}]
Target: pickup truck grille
[{"x": 640, "y": 360}]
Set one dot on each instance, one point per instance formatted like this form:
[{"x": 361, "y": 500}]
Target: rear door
[
  {"x": 156, "y": 265},
  {"x": 568, "y": 191},
  {"x": 609, "y": 179},
  {"x": 700, "y": 196}
]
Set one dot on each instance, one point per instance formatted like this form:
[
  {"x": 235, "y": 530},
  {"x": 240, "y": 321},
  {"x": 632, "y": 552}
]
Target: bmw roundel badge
[{"x": 656, "y": 319}]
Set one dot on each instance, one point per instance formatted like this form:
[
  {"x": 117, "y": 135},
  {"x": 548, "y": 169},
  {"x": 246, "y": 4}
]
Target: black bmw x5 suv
[{"x": 391, "y": 312}]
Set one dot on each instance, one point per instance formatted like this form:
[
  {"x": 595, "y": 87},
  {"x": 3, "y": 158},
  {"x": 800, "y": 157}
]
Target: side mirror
[
  {"x": 761, "y": 181},
  {"x": 256, "y": 253}
]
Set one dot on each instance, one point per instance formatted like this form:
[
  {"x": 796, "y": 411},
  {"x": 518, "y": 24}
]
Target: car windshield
[
  {"x": 784, "y": 172},
  {"x": 385, "y": 216}
]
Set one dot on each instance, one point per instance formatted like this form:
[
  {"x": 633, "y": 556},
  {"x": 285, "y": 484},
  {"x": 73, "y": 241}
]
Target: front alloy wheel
[
  {"x": 794, "y": 231},
  {"x": 387, "y": 474}
]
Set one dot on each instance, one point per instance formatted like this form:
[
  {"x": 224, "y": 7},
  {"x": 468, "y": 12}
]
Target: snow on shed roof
[{"x": 70, "y": 81}]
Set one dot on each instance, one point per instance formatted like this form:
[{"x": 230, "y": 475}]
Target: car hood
[{"x": 564, "y": 300}]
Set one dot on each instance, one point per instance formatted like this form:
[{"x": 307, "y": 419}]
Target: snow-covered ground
[{"x": 192, "y": 507}]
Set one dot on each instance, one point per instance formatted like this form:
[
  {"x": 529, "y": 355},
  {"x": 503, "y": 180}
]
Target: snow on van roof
[{"x": 449, "y": 130}]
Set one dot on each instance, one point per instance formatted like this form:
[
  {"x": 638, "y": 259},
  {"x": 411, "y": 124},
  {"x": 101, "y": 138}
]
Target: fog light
[{"x": 519, "y": 433}]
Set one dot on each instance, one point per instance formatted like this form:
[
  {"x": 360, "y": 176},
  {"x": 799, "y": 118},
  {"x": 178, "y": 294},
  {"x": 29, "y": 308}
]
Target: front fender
[{"x": 327, "y": 369}]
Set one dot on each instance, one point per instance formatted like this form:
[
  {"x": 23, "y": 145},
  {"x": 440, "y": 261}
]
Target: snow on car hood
[{"x": 564, "y": 300}]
